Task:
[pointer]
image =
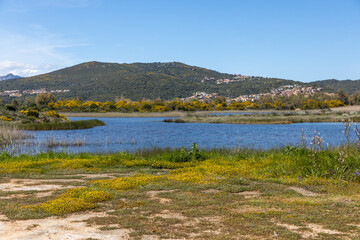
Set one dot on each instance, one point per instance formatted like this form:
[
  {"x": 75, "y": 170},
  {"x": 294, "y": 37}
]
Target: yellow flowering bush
[
  {"x": 55, "y": 114},
  {"x": 32, "y": 113},
  {"x": 24, "y": 112},
  {"x": 4, "y": 118},
  {"x": 157, "y": 108}
]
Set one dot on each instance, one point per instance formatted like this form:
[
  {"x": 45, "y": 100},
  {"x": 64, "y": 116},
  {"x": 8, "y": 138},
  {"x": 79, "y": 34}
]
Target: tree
[
  {"x": 355, "y": 98},
  {"x": 343, "y": 96},
  {"x": 44, "y": 99}
]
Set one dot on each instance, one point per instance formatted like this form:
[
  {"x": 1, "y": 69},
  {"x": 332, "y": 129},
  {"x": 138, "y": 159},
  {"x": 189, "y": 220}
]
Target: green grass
[{"x": 81, "y": 124}]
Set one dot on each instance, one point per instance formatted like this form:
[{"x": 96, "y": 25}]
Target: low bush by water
[{"x": 81, "y": 124}]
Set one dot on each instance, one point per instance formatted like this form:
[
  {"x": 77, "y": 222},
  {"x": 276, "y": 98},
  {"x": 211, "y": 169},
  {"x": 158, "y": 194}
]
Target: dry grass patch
[
  {"x": 249, "y": 194},
  {"x": 304, "y": 192}
]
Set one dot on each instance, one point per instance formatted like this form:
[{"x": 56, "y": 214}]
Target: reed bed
[
  {"x": 69, "y": 125},
  {"x": 9, "y": 134},
  {"x": 52, "y": 142}
]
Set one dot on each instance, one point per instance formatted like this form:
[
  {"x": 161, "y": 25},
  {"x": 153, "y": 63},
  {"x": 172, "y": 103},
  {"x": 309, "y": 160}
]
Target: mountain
[
  {"x": 333, "y": 85},
  {"x": 105, "y": 81},
  {"x": 9, "y": 76}
]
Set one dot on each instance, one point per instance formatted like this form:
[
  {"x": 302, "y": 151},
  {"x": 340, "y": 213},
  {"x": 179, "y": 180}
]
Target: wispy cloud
[{"x": 35, "y": 52}]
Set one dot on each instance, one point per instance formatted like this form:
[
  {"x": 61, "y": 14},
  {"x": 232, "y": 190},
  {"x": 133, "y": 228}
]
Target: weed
[{"x": 186, "y": 156}]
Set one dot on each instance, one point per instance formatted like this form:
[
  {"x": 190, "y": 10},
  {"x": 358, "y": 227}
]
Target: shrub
[
  {"x": 44, "y": 99},
  {"x": 4, "y": 118},
  {"x": 186, "y": 156},
  {"x": 33, "y": 113},
  {"x": 55, "y": 114},
  {"x": 11, "y": 108}
]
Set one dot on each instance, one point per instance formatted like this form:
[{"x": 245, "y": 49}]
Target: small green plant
[{"x": 186, "y": 156}]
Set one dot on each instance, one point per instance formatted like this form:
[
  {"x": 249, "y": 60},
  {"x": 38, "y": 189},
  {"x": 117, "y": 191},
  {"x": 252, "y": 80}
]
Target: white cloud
[
  {"x": 23, "y": 69},
  {"x": 36, "y": 51}
]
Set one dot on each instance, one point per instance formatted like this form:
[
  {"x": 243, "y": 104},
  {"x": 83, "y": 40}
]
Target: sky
[{"x": 303, "y": 40}]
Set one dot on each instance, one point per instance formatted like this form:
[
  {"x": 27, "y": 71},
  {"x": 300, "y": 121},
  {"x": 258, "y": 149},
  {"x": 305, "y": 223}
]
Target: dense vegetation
[
  {"x": 15, "y": 116},
  {"x": 218, "y": 104}
]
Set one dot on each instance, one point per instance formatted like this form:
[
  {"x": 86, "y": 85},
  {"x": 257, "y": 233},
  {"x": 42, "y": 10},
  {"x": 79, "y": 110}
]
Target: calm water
[{"x": 130, "y": 134}]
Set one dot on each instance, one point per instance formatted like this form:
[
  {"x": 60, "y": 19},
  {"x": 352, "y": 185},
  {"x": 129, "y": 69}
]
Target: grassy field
[
  {"x": 290, "y": 193},
  {"x": 270, "y": 118}
]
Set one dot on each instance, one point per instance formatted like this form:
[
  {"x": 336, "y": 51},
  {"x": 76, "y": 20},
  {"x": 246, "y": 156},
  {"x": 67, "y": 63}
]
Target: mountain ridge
[
  {"x": 104, "y": 81},
  {"x": 9, "y": 76}
]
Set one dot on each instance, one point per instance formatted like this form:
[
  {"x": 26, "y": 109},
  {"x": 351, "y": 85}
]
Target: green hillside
[
  {"x": 105, "y": 81},
  {"x": 333, "y": 85}
]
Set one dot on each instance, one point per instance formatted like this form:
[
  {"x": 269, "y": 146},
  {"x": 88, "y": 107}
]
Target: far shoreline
[
  {"x": 161, "y": 114},
  {"x": 183, "y": 114}
]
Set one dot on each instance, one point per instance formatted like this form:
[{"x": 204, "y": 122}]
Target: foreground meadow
[{"x": 289, "y": 193}]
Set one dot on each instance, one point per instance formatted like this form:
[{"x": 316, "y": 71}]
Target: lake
[{"x": 130, "y": 134}]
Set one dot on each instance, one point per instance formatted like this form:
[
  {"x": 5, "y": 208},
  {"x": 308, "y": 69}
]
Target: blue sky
[{"x": 303, "y": 40}]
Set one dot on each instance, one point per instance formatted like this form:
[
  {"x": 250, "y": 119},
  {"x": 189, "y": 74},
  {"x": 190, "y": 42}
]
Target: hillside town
[
  {"x": 286, "y": 90},
  {"x": 20, "y": 93},
  {"x": 236, "y": 78}
]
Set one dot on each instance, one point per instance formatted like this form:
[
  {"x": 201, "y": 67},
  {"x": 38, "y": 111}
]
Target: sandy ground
[{"x": 72, "y": 227}]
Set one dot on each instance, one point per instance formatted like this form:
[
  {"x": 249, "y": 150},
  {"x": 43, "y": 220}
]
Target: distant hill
[
  {"x": 333, "y": 85},
  {"x": 105, "y": 81},
  {"x": 9, "y": 76}
]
